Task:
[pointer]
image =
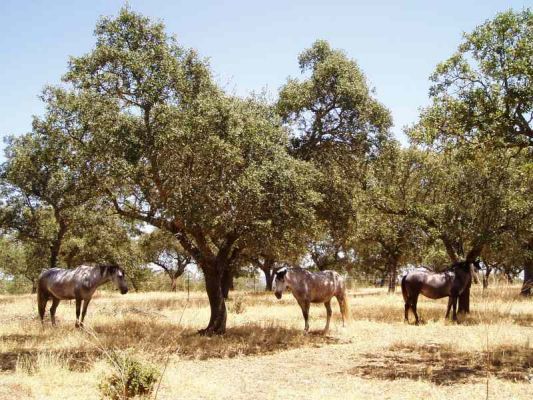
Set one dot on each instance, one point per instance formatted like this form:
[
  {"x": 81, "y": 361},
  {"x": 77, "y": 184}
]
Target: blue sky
[{"x": 251, "y": 45}]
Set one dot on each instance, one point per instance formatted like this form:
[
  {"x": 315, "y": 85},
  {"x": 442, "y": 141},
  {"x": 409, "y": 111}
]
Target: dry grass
[{"x": 265, "y": 353}]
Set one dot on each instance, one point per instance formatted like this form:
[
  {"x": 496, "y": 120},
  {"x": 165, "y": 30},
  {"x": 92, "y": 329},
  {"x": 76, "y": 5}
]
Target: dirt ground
[{"x": 265, "y": 354}]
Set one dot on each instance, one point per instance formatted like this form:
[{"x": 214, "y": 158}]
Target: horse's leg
[
  {"x": 406, "y": 318},
  {"x": 84, "y": 311},
  {"x": 305, "y": 311},
  {"x": 78, "y": 309},
  {"x": 343, "y": 305},
  {"x": 413, "y": 307},
  {"x": 55, "y": 303},
  {"x": 450, "y": 300},
  {"x": 42, "y": 299},
  {"x": 454, "y": 305},
  {"x": 328, "y": 315}
]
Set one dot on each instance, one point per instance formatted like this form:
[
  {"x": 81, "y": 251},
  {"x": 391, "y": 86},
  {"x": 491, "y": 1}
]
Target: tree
[
  {"x": 42, "y": 187},
  {"x": 480, "y": 123},
  {"x": 172, "y": 150},
  {"x": 483, "y": 93},
  {"x": 387, "y": 231},
  {"x": 337, "y": 124},
  {"x": 21, "y": 259},
  {"x": 162, "y": 249}
]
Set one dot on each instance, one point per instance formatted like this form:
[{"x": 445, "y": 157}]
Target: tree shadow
[
  {"x": 158, "y": 338},
  {"x": 443, "y": 365}
]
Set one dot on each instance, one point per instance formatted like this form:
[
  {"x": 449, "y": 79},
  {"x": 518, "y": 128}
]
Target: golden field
[{"x": 265, "y": 354}]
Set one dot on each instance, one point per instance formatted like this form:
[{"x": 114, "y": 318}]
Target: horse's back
[
  {"x": 61, "y": 283},
  {"x": 327, "y": 283},
  {"x": 431, "y": 285}
]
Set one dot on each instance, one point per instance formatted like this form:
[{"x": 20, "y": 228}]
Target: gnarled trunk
[
  {"x": 173, "y": 283},
  {"x": 393, "y": 275},
  {"x": 227, "y": 282},
  {"x": 269, "y": 279},
  {"x": 528, "y": 279},
  {"x": 213, "y": 284},
  {"x": 464, "y": 300},
  {"x": 488, "y": 270}
]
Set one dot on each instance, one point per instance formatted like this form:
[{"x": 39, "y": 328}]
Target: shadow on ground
[
  {"x": 157, "y": 340},
  {"x": 444, "y": 366},
  {"x": 390, "y": 314}
]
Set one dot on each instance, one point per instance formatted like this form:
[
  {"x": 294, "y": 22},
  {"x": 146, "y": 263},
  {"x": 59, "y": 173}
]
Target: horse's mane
[
  {"x": 107, "y": 268},
  {"x": 464, "y": 265}
]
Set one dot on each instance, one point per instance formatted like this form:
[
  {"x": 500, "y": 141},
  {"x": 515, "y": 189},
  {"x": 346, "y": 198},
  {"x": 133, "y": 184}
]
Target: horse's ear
[{"x": 280, "y": 273}]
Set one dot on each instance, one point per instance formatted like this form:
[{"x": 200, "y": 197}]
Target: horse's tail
[
  {"x": 42, "y": 298},
  {"x": 344, "y": 302},
  {"x": 345, "y": 307},
  {"x": 41, "y": 301},
  {"x": 404, "y": 289}
]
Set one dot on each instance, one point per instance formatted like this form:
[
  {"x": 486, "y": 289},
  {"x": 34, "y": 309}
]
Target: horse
[
  {"x": 79, "y": 283},
  {"x": 450, "y": 283},
  {"x": 313, "y": 287}
]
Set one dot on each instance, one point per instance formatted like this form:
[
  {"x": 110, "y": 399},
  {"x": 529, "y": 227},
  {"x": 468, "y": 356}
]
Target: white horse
[
  {"x": 313, "y": 287},
  {"x": 80, "y": 284}
]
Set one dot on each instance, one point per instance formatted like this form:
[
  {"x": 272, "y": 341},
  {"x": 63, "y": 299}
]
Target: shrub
[
  {"x": 238, "y": 305},
  {"x": 129, "y": 377}
]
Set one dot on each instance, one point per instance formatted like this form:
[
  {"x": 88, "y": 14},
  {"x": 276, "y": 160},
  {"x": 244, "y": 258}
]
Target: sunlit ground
[{"x": 265, "y": 353}]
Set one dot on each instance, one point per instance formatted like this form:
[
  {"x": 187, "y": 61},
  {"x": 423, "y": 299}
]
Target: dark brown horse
[
  {"x": 65, "y": 284},
  {"x": 450, "y": 283}
]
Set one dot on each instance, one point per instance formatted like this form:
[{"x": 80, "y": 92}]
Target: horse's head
[
  {"x": 119, "y": 278},
  {"x": 280, "y": 283}
]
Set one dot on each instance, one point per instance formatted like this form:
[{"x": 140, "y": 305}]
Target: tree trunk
[
  {"x": 268, "y": 270},
  {"x": 227, "y": 282},
  {"x": 56, "y": 244},
  {"x": 486, "y": 277},
  {"x": 528, "y": 279},
  {"x": 213, "y": 284},
  {"x": 269, "y": 278},
  {"x": 464, "y": 300},
  {"x": 173, "y": 283},
  {"x": 393, "y": 275},
  {"x": 33, "y": 286}
]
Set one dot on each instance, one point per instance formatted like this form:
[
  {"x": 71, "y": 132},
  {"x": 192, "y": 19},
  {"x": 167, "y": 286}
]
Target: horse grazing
[
  {"x": 80, "y": 284},
  {"x": 313, "y": 287},
  {"x": 450, "y": 283}
]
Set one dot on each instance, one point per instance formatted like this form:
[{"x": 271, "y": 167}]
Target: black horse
[{"x": 450, "y": 283}]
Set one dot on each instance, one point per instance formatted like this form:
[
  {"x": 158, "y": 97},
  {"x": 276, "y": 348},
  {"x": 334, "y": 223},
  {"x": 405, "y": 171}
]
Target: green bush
[{"x": 129, "y": 377}]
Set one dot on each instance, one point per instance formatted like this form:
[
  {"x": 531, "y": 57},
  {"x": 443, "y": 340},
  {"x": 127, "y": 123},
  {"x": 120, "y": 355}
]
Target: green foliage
[
  {"x": 483, "y": 93},
  {"x": 336, "y": 123},
  {"x": 129, "y": 377}
]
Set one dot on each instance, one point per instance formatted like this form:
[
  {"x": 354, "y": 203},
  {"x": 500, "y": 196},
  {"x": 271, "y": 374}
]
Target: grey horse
[
  {"x": 313, "y": 287},
  {"x": 80, "y": 284},
  {"x": 450, "y": 283}
]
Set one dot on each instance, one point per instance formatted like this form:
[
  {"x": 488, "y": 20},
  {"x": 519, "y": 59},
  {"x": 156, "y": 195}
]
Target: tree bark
[
  {"x": 213, "y": 284},
  {"x": 528, "y": 279},
  {"x": 464, "y": 300},
  {"x": 173, "y": 283},
  {"x": 56, "y": 244},
  {"x": 227, "y": 282},
  {"x": 393, "y": 275},
  {"x": 486, "y": 277},
  {"x": 269, "y": 279}
]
